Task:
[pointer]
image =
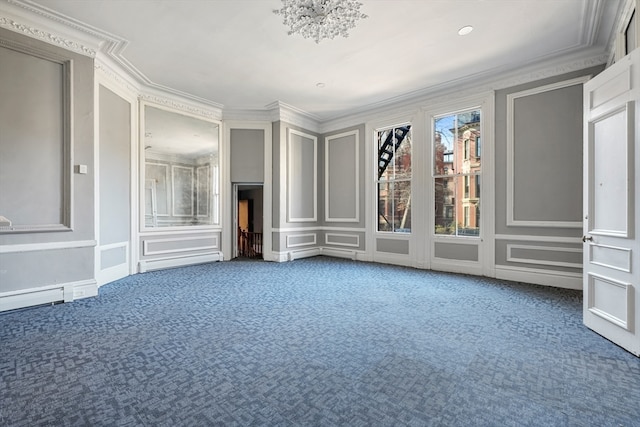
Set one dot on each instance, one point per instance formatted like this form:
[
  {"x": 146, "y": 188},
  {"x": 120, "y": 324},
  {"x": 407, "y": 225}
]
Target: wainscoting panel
[
  {"x": 297, "y": 240},
  {"x": 172, "y": 245},
  {"x": 341, "y": 239},
  {"x": 178, "y": 248},
  {"x": 545, "y": 255},
  {"x": 456, "y": 251}
]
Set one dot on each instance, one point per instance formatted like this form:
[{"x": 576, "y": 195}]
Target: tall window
[
  {"x": 456, "y": 172},
  {"x": 394, "y": 178}
]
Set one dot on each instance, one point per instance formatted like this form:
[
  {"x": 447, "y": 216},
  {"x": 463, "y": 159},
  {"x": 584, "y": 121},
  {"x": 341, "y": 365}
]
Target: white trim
[
  {"x": 511, "y": 97},
  {"x": 485, "y": 242},
  {"x": 511, "y": 258},
  {"x": 319, "y": 228},
  {"x": 533, "y": 238},
  {"x": 170, "y": 262},
  {"x": 356, "y": 199},
  {"x": 296, "y": 254},
  {"x": 341, "y": 253},
  {"x": 539, "y": 276},
  {"x": 292, "y": 236},
  {"x": 352, "y": 245},
  {"x": 228, "y": 219},
  {"x": 59, "y": 292},
  {"x": 147, "y": 252},
  {"x": 290, "y": 217},
  {"x": 32, "y": 247}
]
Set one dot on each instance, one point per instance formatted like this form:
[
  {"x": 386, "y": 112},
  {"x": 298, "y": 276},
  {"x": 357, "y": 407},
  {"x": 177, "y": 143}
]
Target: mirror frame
[{"x": 215, "y": 191}]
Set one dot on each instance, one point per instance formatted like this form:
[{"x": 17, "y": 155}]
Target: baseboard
[
  {"x": 296, "y": 254},
  {"x": 162, "y": 263},
  {"x": 557, "y": 279},
  {"x": 340, "y": 253},
  {"x": 62, "y": 292}
]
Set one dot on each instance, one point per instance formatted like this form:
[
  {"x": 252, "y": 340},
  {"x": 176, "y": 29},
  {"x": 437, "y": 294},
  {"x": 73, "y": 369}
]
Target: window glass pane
[
  {"x": 385, "y": 206},
  {"x": 402, "y": 156},
  {"x": 444, "y": 202},
  {"x": 457, "y": 144},
  {"x": 443, "y": 145},
  {"x": 402, "y": 204}
]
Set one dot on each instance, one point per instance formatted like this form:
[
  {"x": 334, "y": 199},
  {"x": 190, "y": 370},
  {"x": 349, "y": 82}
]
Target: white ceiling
[{"x": 237, "y": 52}]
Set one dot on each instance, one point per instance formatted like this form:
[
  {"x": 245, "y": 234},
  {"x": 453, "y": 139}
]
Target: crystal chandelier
[{"x": 320, "y": 19}]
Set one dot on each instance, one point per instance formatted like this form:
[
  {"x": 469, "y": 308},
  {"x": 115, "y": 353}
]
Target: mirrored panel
[{"x": 180, "y": 172}]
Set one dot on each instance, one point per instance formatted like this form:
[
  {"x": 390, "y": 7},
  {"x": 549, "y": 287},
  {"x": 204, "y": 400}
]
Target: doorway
[{"x": 249, "y": 221}]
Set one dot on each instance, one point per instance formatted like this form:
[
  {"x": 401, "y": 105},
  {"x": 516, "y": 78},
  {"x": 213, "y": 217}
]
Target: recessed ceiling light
[
  {"x": 465, "y": 30},
  {"x": 320, "y": 85}
]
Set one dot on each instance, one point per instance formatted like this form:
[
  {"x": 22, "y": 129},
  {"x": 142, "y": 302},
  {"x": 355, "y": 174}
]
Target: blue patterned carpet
[{"x": 314, "y": 342}]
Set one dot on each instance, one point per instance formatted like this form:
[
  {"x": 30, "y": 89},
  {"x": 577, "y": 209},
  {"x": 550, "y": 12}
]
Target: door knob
[{"x": 585, "y": 239}]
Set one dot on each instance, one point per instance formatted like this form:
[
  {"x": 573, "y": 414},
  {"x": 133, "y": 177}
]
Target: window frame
[
  {"x": 458, "y": 178},
  {"x": 380, "y": 180}
]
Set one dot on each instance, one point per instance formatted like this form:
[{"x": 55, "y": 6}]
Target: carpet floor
[{"x": 313, "y": 342}]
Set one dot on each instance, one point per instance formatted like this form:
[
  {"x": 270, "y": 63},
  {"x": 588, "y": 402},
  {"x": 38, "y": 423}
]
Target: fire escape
[{"x": 391, "y": 144}]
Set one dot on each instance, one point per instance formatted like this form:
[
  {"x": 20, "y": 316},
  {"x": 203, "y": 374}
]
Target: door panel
[{"x": 611, "y": 255}]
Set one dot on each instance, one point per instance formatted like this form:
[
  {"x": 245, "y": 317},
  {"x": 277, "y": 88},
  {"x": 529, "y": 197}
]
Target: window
[
  {"x": 466, "y": 186},
  {"x": 394, "y": 179},
  {"x": 457, "y": 137}
]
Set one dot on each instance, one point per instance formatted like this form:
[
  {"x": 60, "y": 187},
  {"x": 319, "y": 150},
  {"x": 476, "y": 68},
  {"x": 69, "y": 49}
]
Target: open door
[{"x": 612, "y": 211}]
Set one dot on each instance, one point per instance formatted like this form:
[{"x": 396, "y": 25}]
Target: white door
[{"x": 612, "y": 209}]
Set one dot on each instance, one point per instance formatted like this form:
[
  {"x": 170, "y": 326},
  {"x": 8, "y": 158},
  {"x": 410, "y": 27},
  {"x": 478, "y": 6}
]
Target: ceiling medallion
[{"x": 320, "y": 19}]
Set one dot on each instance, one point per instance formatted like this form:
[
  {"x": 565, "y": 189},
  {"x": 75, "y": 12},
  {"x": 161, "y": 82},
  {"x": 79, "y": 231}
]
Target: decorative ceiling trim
[
  {"x": 463, "y": 88},
  {"x": 46, "y": 36},
  {"x": 293, "y": 115},
  {"x": 181, "y": 106}
]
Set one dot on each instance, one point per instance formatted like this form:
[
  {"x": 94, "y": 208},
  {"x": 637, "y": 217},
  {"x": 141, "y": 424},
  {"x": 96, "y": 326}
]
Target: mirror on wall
[{"x": 180, "y": 171}]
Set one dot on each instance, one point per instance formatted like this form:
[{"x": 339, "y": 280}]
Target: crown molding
[
  {"x": 293, "y": 115},
  {"x": 205, "y": 111},
  {"x": 467, "y": 87},
  {"x": 247, "y": 114}
]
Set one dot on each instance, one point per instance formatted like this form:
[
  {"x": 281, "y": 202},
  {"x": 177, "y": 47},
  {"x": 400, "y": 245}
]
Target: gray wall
[
  {"x": 115, "y": 167},
  {"x": 547, "y": 176},
  {"x": 28, "y": 267},
  {"x": 298, "y": 188},
  {"x": 343, "y": 189},
  {"x": 247, "y": 155}
]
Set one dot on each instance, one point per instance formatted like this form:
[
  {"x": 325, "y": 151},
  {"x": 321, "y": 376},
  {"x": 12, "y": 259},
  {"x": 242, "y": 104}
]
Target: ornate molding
[
  {"x": 115, "y": 77},
  {"x": 47, "y": 37},
  {"x": 294, "y": 116},
  {"x": 181, "y": 106},
  {"x": 462, "y": 88}
]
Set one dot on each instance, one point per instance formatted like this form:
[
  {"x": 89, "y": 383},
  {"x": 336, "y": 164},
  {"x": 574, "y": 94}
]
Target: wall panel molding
[
  {"x": 512, "y": 257},
  {"x": 163, "y": 246},
  {"x": 52, "y": 111},
  {"x": 291, "y": 244},
  {"x": 329, "y": 236},
  {"x": 296, "y": 168},
  {"x": 512, "y": 220},
  {"x": 338, "y": 143}
]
